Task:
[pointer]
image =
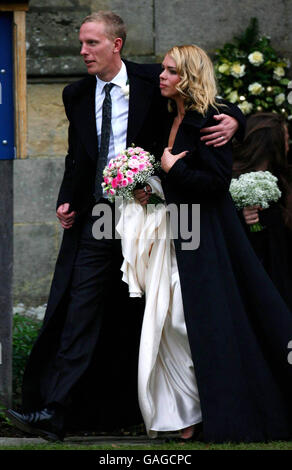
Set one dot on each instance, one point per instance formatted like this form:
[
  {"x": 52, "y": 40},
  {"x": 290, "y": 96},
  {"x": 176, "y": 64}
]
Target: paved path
[{"x": 87, "y": 440}]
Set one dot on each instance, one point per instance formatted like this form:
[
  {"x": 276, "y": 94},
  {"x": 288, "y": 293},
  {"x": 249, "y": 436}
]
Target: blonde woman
[{"x": 222, "y": 355}]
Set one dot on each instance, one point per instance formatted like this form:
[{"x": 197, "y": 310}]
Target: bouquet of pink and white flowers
[{"x": 129, "y": 170}]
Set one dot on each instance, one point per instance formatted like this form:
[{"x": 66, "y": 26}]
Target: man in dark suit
[{"x": 83, "y": 363}]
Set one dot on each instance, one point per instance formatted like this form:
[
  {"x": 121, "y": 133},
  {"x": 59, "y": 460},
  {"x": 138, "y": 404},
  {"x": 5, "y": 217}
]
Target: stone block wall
[{"x": 53, "y": 61}]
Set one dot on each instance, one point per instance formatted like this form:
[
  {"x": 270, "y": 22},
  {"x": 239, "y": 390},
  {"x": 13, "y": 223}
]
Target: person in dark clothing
[
  {"x": 265, "y": 147},
  {"x": 237, "y": 325}
]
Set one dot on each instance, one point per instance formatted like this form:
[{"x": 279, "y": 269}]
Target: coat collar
[
  {"x": 193, "y": 118},
  {"x": 188, "y": 131}
]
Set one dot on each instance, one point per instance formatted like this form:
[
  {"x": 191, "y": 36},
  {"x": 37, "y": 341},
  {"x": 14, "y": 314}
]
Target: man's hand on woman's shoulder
[{"x": 221, "y": 133}]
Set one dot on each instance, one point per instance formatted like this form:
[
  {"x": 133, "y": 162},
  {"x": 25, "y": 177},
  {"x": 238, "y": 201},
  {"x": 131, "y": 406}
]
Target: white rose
[
  {"x": 237, "y": 70},
  {"x": 255, "y": 88},
  {"x": 279, "y": 72},
  {"x": 279, "y": 99},
  {"x": 245, "y": 107},
  {"x": 256, "y": 58},
  {"x": 126, "y": 91},
  {"x": 224, "y": 68},
  {"x": 233, "y": 97}
]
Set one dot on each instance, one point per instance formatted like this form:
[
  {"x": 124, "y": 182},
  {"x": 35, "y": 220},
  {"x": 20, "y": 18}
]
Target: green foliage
[
  {"x": 114, "y": 445},
  {"x": 25, "y": 331},
  {"x": 251, "y": 74}
]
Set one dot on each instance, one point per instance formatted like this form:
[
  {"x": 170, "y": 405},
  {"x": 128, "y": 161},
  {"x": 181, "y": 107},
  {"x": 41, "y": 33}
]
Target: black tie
[{"x": 104, "y": 140}]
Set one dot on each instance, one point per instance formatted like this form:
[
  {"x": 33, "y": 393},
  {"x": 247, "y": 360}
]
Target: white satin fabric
[{"x": 167, "y": 388}]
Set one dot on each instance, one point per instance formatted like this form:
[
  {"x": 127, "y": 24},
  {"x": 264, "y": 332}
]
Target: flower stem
[{"x": 256, "y": 227}]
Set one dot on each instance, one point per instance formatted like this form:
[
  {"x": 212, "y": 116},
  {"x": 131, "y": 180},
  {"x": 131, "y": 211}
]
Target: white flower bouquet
[
  {"x": 254, "y": 188},
  {"x": 129, "y": 170}
]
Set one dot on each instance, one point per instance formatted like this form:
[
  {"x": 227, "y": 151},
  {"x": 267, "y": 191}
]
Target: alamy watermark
[
  {"x": 289, "y": 358},
  {"x": 184, "y": 222}
]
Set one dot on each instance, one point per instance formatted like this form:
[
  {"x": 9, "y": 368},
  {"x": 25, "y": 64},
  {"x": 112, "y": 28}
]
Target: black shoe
[{"x": 46, "y": 423}]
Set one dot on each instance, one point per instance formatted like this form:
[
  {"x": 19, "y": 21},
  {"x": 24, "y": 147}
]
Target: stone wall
[{"x": 53, "y": 60}]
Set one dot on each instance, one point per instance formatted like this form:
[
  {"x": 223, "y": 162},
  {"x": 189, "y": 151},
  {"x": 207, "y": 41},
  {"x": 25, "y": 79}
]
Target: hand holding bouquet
[
  {"x": 255, "y": 188},
  {"x": 129, "y": 170}
]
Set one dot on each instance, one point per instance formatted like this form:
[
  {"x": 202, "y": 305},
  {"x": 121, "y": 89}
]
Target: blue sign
[{"x": 6, "y": 88}]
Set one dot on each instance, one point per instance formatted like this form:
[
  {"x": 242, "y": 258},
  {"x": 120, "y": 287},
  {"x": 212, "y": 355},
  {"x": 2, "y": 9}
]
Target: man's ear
[{"x": 118, "y": 44}]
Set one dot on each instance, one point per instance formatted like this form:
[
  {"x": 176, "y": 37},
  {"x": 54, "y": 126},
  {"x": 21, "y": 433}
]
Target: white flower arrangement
[
  {"x": 252, "y": 75},
  {"x": 254, "y": 188}
]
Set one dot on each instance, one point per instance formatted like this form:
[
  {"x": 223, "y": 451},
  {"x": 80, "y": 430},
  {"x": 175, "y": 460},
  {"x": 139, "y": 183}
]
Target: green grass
[{"x": 279, "y": 445}]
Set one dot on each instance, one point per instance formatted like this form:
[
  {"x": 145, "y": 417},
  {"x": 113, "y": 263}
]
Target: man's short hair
[{"x": 114, "y": 25}]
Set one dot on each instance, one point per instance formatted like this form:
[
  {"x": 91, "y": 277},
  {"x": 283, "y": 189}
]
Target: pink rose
[
  {"x": 133, "y": 164},
  {"x": 120, "y": 176},
  {"x": 114, "y": 183}
]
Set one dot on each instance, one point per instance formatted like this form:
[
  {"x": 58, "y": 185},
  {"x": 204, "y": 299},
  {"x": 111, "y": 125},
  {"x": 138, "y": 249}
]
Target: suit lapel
[
  {"x": 139, "y": 101},
  {"x": 85, "y": 116}
]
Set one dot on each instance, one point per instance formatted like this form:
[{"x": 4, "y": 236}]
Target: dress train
[{"x": 167, "y": 388}]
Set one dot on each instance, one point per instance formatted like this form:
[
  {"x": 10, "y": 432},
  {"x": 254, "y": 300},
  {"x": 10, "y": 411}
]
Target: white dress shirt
[{"x": 120, "y": 110}]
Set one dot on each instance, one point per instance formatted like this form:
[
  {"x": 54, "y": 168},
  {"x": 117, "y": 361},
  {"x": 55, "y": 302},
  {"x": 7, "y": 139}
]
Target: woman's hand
[
  {"x": 143, "y": 195},
  {"x": 251, "y": 215},
  {"x": 219, "y": 135},
  {"x": 168, "y": 160}
]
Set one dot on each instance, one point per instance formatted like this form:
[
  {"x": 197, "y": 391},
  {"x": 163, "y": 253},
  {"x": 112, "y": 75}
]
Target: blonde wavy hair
[{"x": 198, "y": 84}]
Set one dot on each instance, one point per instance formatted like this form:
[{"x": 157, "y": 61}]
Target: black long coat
[
  {"x": 238, "y": 325},
  {"x": 106, "y": 395}
]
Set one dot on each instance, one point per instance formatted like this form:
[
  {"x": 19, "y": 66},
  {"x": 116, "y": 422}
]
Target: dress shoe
[{"x": 46, "y": 423}]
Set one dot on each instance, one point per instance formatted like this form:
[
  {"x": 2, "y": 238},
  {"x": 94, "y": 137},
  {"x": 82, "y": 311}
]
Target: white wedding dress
[{"x": 167, "y": 388}]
